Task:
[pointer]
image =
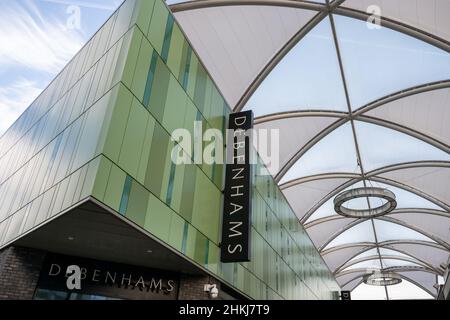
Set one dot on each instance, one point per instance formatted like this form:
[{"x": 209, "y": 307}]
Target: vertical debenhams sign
[{"x": 236, "y": 223}]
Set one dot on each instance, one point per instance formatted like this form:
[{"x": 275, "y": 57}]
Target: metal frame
[
  {"x": 396, "y": 211},
  {"x": 371, "y": 245},
  {"x": 334, "y": 7},
  {"x": 307, "y": 147},
  {"x": 397, "y": 26},
  {"x": 343, "y": 120},
  {"x": 385, "y": 244},
  {"x": 300, "y": 114},
  {"x": 402, "y": 94},
  {"x": 267, "y": 69},
  {"x": 408, "y": 131},
  {"x": 387, "y": 257},
  {"x": 385, "y": 194},
  {"x": 324, "y": 10},
  {"x": 352, "y": 224},
  {"x": 402, "y": 276},
  {"x": 202, "y": 4},
  {"x": 382, "y": 279},
  {"x": 345, "y": 264},
  {"x": 373, "y": 175}
]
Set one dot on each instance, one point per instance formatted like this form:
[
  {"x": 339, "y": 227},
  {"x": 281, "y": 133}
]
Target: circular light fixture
[
  {"x": 369, "y": 192},
  {"x": 382, "y": 279}
]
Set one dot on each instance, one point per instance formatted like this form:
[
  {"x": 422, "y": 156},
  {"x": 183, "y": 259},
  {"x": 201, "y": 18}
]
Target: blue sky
[{"x": 38, "y": 38}]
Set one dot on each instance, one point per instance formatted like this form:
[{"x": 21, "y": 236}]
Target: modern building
[{"x": 359, "y": 91}]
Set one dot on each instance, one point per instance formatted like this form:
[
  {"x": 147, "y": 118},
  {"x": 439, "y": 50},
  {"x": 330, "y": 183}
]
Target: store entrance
[{"x": 101, "y": 280}]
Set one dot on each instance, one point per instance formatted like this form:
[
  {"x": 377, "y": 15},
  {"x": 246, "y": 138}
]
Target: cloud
[
  {"x": 103, "y": 5},
  {"x": 33, "y": 46},
  {"x": 14, "y": 99},
  {"x": 30, "y": 40}
]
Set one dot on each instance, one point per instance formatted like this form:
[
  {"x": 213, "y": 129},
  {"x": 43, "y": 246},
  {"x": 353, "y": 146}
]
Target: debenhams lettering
[
  {"x": 235, "y": 245},
  {"x": 119, "y": 279}
]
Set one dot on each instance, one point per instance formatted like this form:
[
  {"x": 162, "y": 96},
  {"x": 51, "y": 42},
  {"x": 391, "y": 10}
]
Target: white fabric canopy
[{"x": 356, "y": 105}]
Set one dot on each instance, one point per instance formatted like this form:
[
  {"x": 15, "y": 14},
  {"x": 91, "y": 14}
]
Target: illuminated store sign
[
  {"x": 236, "y": 224},
  {"x": 108, "y": 279}
]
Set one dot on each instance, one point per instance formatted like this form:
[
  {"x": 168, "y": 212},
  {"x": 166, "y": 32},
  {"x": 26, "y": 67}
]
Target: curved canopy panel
[
  {"x": 365, "y": 254},
  {"x": 350, "y": 286},
  {"x": 386, "y": 262},
  {"x": 434, "y": 181},
  {"x": 326, "y": 210},
  {"x": 236, "y": 42},
  {"x": 426, "y": 280},
  {"x": 381, "y": 147},
  {"x": 388, "y": 231},
  {"x": 436, "y": 224},
  {"x": 434, "y": 255},
  {"x": 398, "y": 263},
  {"x": 373, "y": 264},
  {"x": 403, "y": 291},
  {"x": 362, "y": 232},
  {"x": 426, "y": 112},
  {"x": 295, "y": 133},
  {"x": 431, "y": 16},
  {"x": 382, "y": 251},
  {"x": 401, "y": 61},
  {"x": 303, "y": 197},
  {"x": 348, "y": 276},
  {"x": 296, "y": 84},
  {"x": 342, "y": 156},
  {"x": 336, "y": 258},
  {"x": 363, "y": 291},
  {"x": 321, "y": 232},
  {"x": 405, "y": 200}
]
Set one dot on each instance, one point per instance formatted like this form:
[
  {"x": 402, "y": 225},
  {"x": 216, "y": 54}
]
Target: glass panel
[
  {"x": 379, "y": 62},
  {"x": 334, "y": 153},
  {"x": 362, "y": 232},
  {"x": 390, "y": 231},
  {"x": 80, "y": 296},
  {"x": 381, "y": 147},
  {"x": 44, "y": 294},
  {"x": 308, "y": 78}
]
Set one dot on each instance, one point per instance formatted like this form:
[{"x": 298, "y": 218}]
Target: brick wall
[
  {"x": 19, "y": 272},
  {"x": 191, "y": 287}
]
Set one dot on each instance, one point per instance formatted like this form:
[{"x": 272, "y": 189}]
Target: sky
[{"x": 38, "y": 38}]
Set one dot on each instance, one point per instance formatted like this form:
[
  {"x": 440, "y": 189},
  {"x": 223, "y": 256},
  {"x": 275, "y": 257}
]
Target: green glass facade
[{"x": 102, "y": 130}]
